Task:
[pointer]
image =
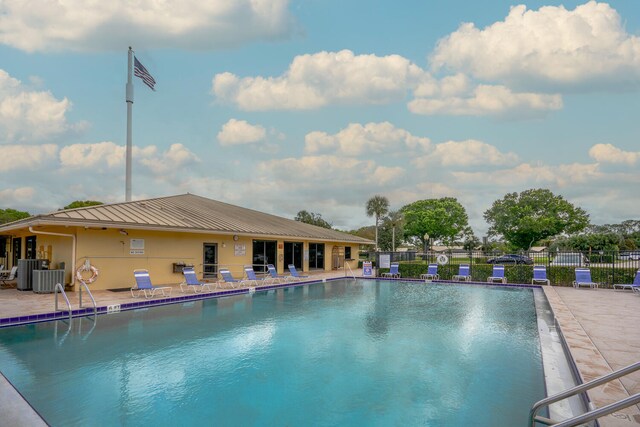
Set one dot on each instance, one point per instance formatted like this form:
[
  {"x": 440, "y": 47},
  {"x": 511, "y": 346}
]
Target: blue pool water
[{"x": 337, "y": 353}]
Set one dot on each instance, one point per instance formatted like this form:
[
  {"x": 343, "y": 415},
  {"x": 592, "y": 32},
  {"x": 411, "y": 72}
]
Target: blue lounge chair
[
  {"x": 274, "y": 277},
  {"x": 497, "y": 275},
  {"x": 540, "y": 275},
  {"x": 251, "y": 277},
  {"x": 583, "y": 278},
  {"x": 191, "y": 281},
  {"x": 432, "y": 273},
  {"x": 143, "y": 284},
  {"x": 463, "y": 273},
  {"x": 393, "y": 271},
  {"x": 228, "y": 278},
  {"x": 632, "y": 286},
  {"x": 294, "y": 273}
]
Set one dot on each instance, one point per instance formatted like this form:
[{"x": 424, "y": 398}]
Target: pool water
[{"x": 336, "y": 353}]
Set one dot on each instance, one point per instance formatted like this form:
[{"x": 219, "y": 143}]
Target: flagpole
[{"x": 129, "y": 99}]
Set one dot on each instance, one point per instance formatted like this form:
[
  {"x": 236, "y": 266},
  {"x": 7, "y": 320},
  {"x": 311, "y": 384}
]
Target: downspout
[{"x": 73, "y": 249}]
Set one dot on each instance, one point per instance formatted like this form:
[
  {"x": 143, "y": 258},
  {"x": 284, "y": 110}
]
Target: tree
[
  {"x": 82, "y": 204},
  {"x": 377, "y": 206},
  {"x": 10, "y": 215},
  {"x": 312, "y": 218},
  {"x": 442, "y": 219},
  {"x": 390, "y": 232},
  {"x": 525, "y": 218}
]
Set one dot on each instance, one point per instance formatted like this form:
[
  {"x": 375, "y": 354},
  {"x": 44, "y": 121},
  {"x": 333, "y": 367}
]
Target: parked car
[
  {"x": 633, "y": 255},
  {"x": 510, "y": 259},
  {"x": 576, "y": 259}
]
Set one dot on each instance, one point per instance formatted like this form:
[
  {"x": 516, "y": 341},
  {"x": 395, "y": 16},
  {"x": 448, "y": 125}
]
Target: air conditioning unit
[
  {"x": 44, "y": 281},
  {"x": 25, "y": 272}
]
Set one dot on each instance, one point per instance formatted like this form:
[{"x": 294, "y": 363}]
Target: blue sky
[{"x": 288, "y": 105}]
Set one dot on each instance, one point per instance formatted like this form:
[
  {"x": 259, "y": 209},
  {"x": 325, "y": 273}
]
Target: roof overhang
[{"x": 51, "y": 222}]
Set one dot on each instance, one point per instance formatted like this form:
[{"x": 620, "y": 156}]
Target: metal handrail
[
  {"x": 349, "y": 267},
  {"x": 64, "y": 294},
  {"x": 95, "y": 307},
  {"x": 591, "y": 415}
]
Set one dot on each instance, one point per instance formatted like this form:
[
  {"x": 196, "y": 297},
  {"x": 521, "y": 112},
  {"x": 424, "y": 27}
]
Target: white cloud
[
  {"x": 308, "y": 171},
  {"x": 236, "y": 132},
  {"x": 27, "y": 157},
  {"x": 466, "y": 153},
  {"x": 172, "y": 161},
  {"x": 316, "y": 80},
  {"x": 27, "y": 115},
  {"x": 91, "y": 155},
  {"x": 104, "y": 156},
  {"x": 551, "y": 46},
  {"x": 527, "y": 175},
  {"x": 109, "y": 25},
  {"x": 371, "y": 138},
  {"x": 10, "y": 196},
  {"x": 488, "y": 100},
  {"x": 608, "y": 153}
]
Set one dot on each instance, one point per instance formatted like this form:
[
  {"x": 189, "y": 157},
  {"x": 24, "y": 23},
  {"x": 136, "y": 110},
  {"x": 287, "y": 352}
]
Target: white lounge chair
[{"x": 631, "y": 286}]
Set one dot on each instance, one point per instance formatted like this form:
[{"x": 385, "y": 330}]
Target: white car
[
  {"x": 573, "y": 259},
  {"x": 633, "y": 255}
]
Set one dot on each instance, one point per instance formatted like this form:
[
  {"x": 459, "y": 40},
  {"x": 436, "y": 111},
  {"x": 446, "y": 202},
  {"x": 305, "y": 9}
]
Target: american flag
[{"x": 140, "y": 71}]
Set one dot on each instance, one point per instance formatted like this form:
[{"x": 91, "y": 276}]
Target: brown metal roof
[{"x": 190, "y": 213}]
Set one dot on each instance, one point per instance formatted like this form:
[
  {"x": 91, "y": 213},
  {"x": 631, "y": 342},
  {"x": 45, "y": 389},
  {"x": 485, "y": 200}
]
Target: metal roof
[{"x": 187, "y": 213}]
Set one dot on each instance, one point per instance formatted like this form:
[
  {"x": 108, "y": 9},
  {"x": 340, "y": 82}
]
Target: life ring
[
  {"x": 442, "y": 259},
  {"x": 87, "y": 267}
]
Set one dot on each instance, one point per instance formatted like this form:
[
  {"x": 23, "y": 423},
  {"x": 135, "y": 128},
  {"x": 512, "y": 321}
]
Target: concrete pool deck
[{"x": 599, "y": 326}]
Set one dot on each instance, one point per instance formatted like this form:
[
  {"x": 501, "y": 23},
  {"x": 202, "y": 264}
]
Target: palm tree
[
  {"x": 377, "y": 206},
  {"x": 395, "y": 219}
]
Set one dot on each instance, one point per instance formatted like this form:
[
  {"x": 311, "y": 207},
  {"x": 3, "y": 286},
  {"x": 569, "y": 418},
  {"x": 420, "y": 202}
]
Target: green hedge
[{"x": 557, "y": 275}]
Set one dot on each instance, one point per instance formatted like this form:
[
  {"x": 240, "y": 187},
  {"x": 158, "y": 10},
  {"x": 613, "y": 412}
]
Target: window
[{"x": 347, "y": 252}]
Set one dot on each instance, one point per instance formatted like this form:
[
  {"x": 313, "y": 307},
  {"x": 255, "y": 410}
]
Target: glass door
[
  {"x": 210, "y": 260},
  {"x": 264, "y": 252},
  {"x": 293, "y": 254},
  {"x": 316, "y": 256}
]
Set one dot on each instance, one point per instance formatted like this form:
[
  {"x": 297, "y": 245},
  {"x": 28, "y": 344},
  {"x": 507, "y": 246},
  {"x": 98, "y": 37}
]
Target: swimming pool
[{"x": 335, "y": 353}]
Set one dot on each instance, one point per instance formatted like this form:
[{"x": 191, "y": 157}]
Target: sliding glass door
[
  {"x": 293, "y": 254},
  {"x": 264, "y": 252},
  {"x": 316, "y": 256}
]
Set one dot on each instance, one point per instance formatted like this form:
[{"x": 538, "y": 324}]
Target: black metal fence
[{"x": 607, "y": 268}]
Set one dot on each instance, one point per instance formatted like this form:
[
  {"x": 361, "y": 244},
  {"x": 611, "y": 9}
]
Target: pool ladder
[
  {"x": 593, "y": 413},
  {"x": 59, "y": 288}
]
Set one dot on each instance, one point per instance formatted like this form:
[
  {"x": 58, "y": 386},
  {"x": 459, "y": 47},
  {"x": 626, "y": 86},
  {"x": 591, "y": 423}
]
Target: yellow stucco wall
[{"x": 111, "y": 252}]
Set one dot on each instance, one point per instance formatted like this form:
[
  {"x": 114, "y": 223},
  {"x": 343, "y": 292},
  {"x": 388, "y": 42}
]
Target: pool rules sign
[{"x": 367, "y": 269}]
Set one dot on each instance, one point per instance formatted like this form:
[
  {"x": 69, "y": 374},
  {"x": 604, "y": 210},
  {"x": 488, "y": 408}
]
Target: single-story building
[{"x": 164, "y": 234}]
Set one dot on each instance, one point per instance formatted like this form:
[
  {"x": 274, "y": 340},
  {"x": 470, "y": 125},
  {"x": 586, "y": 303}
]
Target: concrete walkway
[
  {"x": 601, "y": 330},
  {"x": 600, "y": 327}
]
